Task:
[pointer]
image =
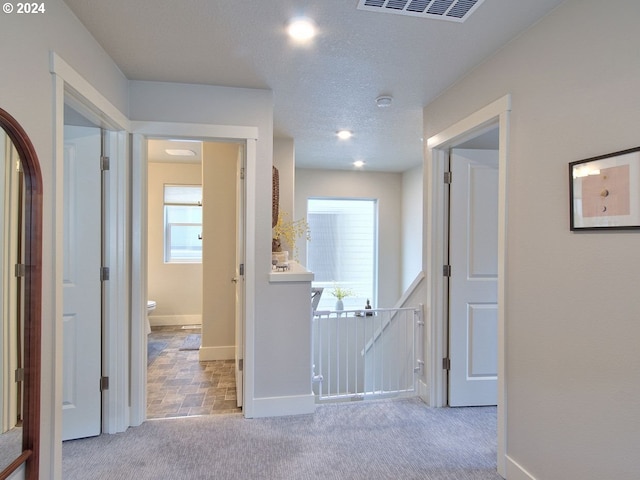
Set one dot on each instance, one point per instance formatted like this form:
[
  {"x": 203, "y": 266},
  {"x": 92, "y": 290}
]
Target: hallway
[{"x": 179, "y": 385}]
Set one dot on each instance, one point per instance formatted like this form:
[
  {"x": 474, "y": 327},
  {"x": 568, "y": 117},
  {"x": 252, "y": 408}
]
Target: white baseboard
[
  {"x": 423, "y": 391},
  {"x": 167, "y": 320},
  {"x": 217, "y": 353},
  {"x": 283, "y": 406},
  {"x": 517, "y": 472}
]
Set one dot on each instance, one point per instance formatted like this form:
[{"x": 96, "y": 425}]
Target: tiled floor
[{"x": 179, "y": 385}]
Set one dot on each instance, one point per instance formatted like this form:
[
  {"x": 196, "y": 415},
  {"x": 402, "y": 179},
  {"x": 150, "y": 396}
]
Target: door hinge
[
  {"x": 447, "y": 178},
  {"x": 242, "y": 173},
  {"x": 104, "y": 274},
  {"x": 104, "y": 383},
  {"x": 240, "y": 364},
  {"x": 446, "y": 363},
  {"x": 241, "y": 269},
  {"x": 446, "y": 270},
  {"x": 19, "y": 375},
  {"x": 104, "y": 164},
  {"x": 21, "y": 270}
]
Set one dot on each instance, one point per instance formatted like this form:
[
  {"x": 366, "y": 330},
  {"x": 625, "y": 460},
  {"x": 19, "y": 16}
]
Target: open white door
[
  {"x": 473, "y": 256},
  {"x": 81, "y": 279},
  {"x": 239, "y": 278}
]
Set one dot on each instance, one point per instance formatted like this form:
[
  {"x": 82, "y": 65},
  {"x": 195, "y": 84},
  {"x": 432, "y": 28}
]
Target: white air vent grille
[{"x": 453, "y": 10}]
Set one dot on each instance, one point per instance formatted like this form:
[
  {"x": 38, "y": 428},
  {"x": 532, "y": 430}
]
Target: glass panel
[
  {"x": 343, "y": 249},
  {"x": 183, "y": 243},
  {"x": 183, "y": 194}
]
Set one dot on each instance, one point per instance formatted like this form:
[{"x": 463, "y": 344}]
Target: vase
[{"x": 339, "y": 305}]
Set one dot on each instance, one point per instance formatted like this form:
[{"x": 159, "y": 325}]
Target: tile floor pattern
[{"x": 179, "y": 385}]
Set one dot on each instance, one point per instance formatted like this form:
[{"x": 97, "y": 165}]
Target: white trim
[
  {"x": 138, "y": 366},
  {"x": 77, "y": 83},
  {"x": 142, "y": 131},
  {"x": 284, "y": 406},
  {"x": 207, "y": 354},
  {"x": 423, "y": 391},
  {"x": 69, "y": 84},
  {"x": 164, "y": 320},
  {"x": 437, "y": 146},
  {"x": 115, "y": 410},
  {"x": 194, "y": 130},
  {"x": 516, "y": 472},
  {"x": 249, "y": 278},
  {"x": 55, "y": 414}
]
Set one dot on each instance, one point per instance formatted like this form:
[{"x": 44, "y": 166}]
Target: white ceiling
[{"x": 320, "y": 88}]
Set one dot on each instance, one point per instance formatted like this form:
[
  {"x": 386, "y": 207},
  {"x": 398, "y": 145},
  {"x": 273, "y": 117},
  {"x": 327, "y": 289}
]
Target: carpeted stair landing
[{"x": 398, "y": 439}]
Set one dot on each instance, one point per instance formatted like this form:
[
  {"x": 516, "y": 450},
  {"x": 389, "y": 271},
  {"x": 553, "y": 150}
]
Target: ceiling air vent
[{"x": 453, "y": 10}]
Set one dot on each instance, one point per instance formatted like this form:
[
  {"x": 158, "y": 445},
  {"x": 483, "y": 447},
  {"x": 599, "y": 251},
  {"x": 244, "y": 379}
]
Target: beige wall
[
  {"x": 572, "y": 306},
  {"x": 219, "y": 167},
  {"x": 176, "y": 287}
]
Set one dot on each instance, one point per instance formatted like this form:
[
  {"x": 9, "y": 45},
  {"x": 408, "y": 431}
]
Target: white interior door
[
  {"x": 81, "y": 280},
  {"x": 240, "y": 260},
  {"x": 473, "y": 256}
]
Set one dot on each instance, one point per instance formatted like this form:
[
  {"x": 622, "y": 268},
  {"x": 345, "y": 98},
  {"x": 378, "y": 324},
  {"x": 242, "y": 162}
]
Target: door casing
[
  {"x": 205, "y": 132},
  {"x": 437, "y": 149},
  {"x": 70, "y": 87}
]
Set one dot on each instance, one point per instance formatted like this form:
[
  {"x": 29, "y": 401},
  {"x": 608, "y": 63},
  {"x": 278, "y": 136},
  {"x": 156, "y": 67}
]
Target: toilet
[{"x": 151, "y": 306}]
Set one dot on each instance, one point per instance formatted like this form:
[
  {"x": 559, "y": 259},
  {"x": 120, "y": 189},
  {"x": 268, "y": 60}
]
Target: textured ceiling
[{"x": 328, "y": 85}]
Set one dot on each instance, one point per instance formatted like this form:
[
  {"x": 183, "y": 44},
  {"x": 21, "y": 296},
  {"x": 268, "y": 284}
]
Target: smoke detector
[
  {"x": 384, "y": 101},
  {"x": 452, "y": 10}
]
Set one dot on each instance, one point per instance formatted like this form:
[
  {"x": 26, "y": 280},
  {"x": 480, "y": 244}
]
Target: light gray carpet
[
  {"x": 10, "y": 446},
  {"x": 398, "y": 439},
  {"x": 192, "y": 342}
]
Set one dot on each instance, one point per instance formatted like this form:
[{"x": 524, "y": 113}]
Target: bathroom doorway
[{"x": 194, "y": 191}]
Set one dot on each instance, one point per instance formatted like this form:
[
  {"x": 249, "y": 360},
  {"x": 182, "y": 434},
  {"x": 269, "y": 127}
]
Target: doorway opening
[
  {"x": 195, "y": 253},
  {"x": 438, "y": 147},
  {"x": 93, "y": 289}
]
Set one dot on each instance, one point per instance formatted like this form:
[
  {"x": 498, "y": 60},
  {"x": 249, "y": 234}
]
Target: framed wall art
[{"x": 604, "y": 191}]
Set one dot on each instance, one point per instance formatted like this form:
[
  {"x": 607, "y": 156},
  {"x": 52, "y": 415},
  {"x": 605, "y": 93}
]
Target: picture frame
[{"x": 604, "y": 192}]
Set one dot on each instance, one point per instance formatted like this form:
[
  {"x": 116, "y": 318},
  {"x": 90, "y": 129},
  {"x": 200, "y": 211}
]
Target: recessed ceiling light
[
  {"x": 358, "y": 163},
  {"x": 344, "y": 134},
  {"x": 301, "y": 29},
  {"x": 180, "y": 152}
]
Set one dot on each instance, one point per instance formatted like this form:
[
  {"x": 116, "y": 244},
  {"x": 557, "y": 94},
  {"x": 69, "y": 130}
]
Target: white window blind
[
  {"x": 182, "y": 223},
  {"x": 342, "y": 250}
]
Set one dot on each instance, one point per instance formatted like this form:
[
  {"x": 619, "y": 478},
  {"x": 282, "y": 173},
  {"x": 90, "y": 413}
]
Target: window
[
  {"x": 182, "y": 223},
  {"x": 342, "y": 250}
]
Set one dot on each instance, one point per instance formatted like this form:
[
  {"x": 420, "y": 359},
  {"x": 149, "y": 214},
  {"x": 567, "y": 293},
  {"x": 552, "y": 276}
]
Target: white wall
[
  {"x": 387, "y": 189},
  {"x": 26, "y": 92},
  {"x": 176, "y": 287},
  {"x": 412, "y": 201},
  {"x": 572, "y": 300}
]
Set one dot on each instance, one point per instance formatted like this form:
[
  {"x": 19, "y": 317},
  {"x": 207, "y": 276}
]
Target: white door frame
[
  {"x": 436, "y": 154},
  {"x": 205, "y": 132},
  {"x": 69, "y": 85}
]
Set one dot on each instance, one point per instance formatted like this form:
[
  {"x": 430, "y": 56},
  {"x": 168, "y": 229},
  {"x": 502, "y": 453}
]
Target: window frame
[
  {"x": 168, "y": 257},
  {"x": 328, "y": 285}
]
